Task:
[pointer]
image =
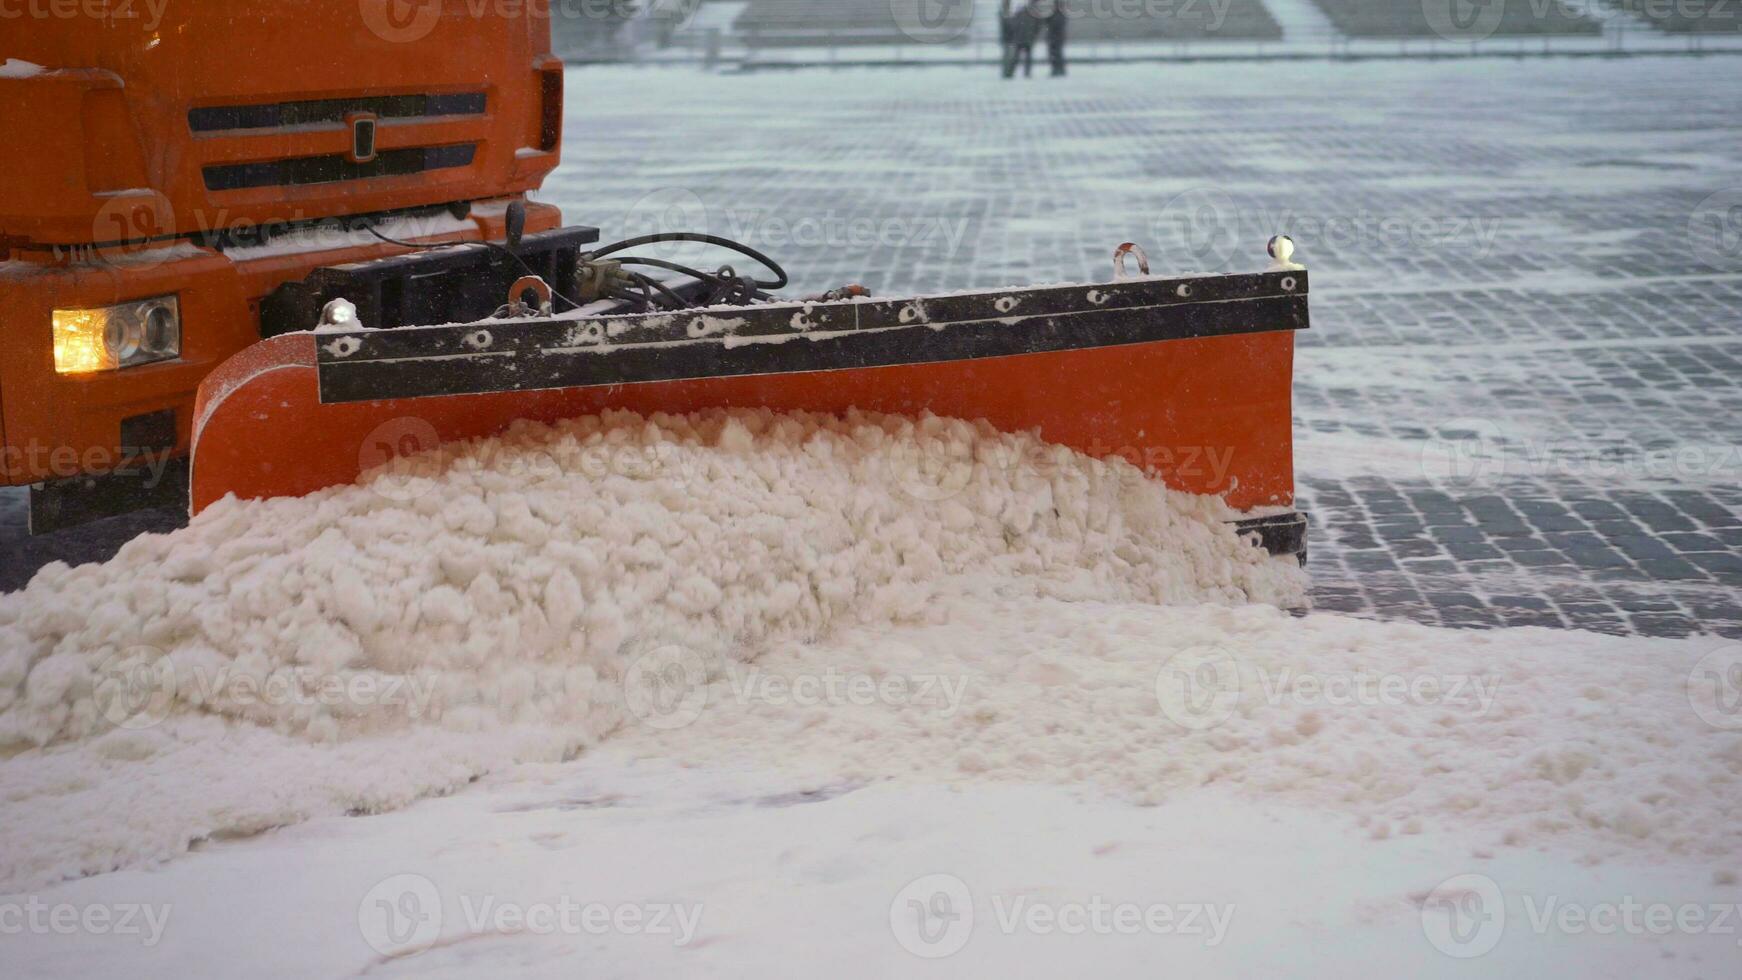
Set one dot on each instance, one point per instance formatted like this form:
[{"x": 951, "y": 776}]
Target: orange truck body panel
[{"x": 108, "y": 197}]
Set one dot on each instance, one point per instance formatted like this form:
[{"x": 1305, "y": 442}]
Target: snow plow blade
[{"x": 1187, "y": 378}]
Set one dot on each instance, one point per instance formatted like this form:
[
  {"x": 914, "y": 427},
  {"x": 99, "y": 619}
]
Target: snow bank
[
  {"x": 847, "y": 600},
  {"x": 362, "y": 646},
  {"x": 1514, "y": 737}
]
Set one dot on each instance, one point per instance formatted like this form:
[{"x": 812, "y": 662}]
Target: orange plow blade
[{"x": 1189, "y": 379}]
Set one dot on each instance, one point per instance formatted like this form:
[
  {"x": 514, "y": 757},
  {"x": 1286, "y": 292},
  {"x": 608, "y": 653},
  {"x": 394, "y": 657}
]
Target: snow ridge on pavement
[{"x": 1522, "y": 737}]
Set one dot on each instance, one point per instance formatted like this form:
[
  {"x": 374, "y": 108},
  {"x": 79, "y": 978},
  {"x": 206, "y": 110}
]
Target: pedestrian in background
[
  {"x": 1055, "y": 38},
  {"x": 1019, "y": 30}
]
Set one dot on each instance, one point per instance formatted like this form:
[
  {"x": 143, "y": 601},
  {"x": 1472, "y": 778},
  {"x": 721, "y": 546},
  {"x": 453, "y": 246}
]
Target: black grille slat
[
  {"x": 336, "y": 167},
  {"x": 459, "y": 104},
  {"x": 278, "y": 115}
]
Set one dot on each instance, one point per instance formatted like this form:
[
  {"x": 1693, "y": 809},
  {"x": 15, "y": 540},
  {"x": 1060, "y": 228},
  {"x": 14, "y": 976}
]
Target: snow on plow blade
[{"x": 1188, "y": 378}]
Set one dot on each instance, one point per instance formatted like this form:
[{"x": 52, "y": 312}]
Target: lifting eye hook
[
  {"x": 1129, "y": 248},
  {"x": 517, "y": 294}
]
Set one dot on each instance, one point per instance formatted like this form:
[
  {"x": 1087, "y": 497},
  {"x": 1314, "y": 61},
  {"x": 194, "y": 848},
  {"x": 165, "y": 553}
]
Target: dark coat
[{"x": 1022, "y": 28}]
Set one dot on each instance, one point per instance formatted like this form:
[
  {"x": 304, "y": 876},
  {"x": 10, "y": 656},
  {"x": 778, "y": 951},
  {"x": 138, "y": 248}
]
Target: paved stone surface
[
  {"x": 1588, "y": 480},
  {"x": 1521, "y": 402}
]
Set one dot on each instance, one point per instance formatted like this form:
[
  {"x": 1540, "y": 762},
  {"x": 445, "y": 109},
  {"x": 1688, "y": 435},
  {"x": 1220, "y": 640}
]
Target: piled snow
[
  {"x": 843, "y": 600},
  {"x": 359, "y": 647},
  {"x": 1516, "y": 737}
]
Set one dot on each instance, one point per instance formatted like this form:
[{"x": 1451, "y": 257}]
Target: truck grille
[
  {"x": 276, "y": 115},
  {"x": 336, "y": 167}
]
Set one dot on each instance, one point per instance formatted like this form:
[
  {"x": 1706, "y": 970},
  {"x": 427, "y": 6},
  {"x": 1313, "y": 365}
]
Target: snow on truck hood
[{"x": 856, "y": 598}]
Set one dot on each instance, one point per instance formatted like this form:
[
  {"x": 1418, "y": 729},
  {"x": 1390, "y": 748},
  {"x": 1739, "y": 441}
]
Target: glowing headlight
[{"x": 117, "y": 336}]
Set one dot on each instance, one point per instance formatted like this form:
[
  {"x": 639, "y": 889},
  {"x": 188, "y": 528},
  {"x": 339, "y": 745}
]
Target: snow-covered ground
[
  {"x": 607, "y": 868},
  {"x": 774, "y": 696},
  {"x": 749, "y": 693}
]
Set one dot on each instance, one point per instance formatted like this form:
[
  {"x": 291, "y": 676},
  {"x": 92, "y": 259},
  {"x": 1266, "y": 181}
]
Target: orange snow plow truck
[{"x": 256, "y": 247}]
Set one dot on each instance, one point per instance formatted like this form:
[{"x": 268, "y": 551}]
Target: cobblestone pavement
[
  {"x": 1582, "y": 479},
  {"x": 1521, "y": 401}
]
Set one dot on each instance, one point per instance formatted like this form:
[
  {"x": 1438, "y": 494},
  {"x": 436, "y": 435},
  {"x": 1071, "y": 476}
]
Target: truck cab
[{"x": 186, "y": 179}]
